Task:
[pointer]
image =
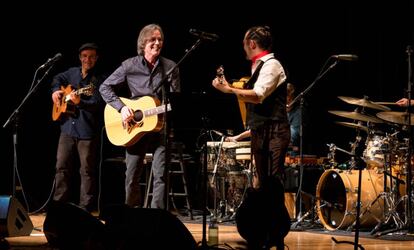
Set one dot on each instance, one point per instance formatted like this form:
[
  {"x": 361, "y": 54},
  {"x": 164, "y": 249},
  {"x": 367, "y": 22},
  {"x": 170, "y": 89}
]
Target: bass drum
[{"x": 337, "y": 196}]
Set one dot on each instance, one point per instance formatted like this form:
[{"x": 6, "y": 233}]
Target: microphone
[
  {"x": 204, "y": 35},
  {"x": 218, "y": 133},
  {"x": 346, "y": 57},
  {"x": 51, "y": 61}
]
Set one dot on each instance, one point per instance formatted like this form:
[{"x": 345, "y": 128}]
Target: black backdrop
[{"x": 306, "y": 35}]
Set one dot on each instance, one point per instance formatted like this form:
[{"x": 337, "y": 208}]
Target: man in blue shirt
[{"x": 78, "y": 108}]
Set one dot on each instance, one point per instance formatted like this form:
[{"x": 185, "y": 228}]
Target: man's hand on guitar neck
[
  {"x": 75, "y": 98},
  {"x": 221, "y": 84}
]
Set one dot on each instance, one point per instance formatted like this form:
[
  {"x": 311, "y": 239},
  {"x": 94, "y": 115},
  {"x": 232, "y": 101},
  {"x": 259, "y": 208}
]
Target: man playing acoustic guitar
[
  {"x": 75, "y": 90},
  {"x": 142, "y": 74}
]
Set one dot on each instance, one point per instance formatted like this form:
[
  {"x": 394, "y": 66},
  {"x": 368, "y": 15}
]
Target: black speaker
[
  {"x": 14, "y": 220},
  {"x": 146, "y": 228},
  {"x": 68, "y": 226}
]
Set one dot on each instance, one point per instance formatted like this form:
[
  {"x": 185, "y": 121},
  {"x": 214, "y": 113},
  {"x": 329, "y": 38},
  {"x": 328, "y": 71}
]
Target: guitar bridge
[{"x": 134, "y": 124}]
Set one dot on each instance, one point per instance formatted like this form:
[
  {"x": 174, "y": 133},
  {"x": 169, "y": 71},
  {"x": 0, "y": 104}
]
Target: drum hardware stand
[
  {"x": 390, "y": 196},
  {"x": 311, "y": 212},
  {"x": 222, "y": 206},
  {"x": 204, "y": 245}
]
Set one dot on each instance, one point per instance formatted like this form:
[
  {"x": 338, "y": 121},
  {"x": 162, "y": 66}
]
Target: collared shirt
[
  {"x": 271, "y": 76},
  {"x": 141, "y": 80},
  {"x": 87, "y": 118}
]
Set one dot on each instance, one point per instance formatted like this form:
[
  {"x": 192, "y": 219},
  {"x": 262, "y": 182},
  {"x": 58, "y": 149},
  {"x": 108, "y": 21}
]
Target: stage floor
[{"x": 229, "y": 238}]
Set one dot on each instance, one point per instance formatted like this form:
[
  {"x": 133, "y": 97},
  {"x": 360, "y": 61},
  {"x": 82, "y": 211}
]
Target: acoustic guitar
[
  {"x": 66, "y": 106},
  {"x": 147, "y": 117},
  {"x": 240, "y": 84}
]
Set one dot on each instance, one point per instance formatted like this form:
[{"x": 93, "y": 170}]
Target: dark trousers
[{"x": 70, "y": 152}]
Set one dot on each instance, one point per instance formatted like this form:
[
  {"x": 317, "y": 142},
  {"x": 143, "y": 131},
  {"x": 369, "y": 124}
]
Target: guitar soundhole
[{"x": 138, "y": 116}]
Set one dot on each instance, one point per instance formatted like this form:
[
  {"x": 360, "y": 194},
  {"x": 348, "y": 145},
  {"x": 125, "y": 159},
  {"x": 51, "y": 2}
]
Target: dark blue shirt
[{"x": 86, "y": 121}]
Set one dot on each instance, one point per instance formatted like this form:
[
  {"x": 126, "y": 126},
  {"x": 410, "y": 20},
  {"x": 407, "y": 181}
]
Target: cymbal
[
  {"x": 363, "y": 102},
  {"x": 356, "y": 116},
  {"x": 397, "y": 117},
  {"x": 353, "y": 125}
]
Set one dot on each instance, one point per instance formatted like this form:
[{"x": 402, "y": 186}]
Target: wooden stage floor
[{"x": 229, "y": 238}]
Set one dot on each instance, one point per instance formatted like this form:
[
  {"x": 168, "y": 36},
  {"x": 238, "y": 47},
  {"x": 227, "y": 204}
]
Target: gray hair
[{"x": 144, "y": 36}]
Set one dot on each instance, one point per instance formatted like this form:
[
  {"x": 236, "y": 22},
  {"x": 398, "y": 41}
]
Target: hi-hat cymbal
[
  {"x": 353, "y": 125},
  {"x": 397, "y": 117},
  {"x": 356, "y": 116},
  {"x": 363, "y": 102}
]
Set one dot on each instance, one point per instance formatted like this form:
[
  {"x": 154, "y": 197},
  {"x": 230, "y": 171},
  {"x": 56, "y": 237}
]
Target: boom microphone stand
[
  {"x": 301, "y": 99},
  {"x": 165, "y": 91},
  {"x": 14, "y": 117}
]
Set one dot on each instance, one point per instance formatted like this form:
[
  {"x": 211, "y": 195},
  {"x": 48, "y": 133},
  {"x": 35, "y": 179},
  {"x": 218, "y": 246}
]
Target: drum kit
[
  {"x": 228, "y": 166},
  {"x": 385, "y": 156}
]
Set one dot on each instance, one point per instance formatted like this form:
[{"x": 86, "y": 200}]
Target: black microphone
[
  {"x": 51, "y": 61},
  {"x": 346, "y": 57},
  {"x": 204, "y": 35}
]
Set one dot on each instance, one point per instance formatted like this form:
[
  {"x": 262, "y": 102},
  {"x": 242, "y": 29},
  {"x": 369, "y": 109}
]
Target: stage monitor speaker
[
  {"x": 146, "y": 228},
  {"x": 67, "y": 226},
  {"x": 14, "y": 220}
]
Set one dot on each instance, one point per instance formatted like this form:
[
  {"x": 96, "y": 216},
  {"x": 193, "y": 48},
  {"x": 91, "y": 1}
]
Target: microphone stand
[
  {"x": 165, "y": 91},
  {"x": 14, "y": 117},
  {"x": 301, "y": 99}
]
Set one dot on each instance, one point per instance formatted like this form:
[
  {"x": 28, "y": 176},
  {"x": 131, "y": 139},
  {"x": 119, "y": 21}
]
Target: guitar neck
[{"x": 157, "y": 110}]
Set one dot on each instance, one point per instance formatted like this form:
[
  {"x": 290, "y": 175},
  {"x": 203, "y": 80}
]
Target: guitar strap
[{"x": 253, "y": 78}]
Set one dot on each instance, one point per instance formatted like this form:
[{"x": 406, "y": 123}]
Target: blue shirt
[{"x": 87, "y": 118}]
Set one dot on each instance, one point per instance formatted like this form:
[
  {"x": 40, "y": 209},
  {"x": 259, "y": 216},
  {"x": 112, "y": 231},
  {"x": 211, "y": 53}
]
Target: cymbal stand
[
  {"x": 409, "y": 219},
  {"x": 409, "y": 226},
  {"x": 354, "y": 163},
  {"x": 390, "y": 196}
]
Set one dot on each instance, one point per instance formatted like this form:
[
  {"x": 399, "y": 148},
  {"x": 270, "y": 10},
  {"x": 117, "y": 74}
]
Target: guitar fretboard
[{"x": 157, "y": 110}]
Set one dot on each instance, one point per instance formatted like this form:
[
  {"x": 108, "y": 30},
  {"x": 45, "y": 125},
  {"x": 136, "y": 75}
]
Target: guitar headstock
[
  {"x": 220, "y": 73},
  {"x": 88, "y": 90}
]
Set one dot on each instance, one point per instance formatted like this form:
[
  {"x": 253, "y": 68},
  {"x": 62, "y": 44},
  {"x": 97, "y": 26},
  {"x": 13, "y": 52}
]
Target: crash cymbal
[
  {"x": 356, "y": 116},
  {"x": 397, "y": 117},
  {"x": 353, "y": 125},
  {"x": 364, "y": 102}
]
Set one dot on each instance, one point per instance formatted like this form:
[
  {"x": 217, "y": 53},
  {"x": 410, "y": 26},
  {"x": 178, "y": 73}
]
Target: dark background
[{"x": 306, "y": 35}]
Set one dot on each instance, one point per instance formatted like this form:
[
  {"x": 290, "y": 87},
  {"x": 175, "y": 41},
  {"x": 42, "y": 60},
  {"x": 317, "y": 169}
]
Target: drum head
[{"x": 331, "y": 200}]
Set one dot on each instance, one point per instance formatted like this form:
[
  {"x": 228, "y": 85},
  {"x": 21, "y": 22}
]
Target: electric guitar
[
  {"x": 147, "y": 118},
  {"x": 66, "y": 106},
  {"x": 240, "y": 84}
]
